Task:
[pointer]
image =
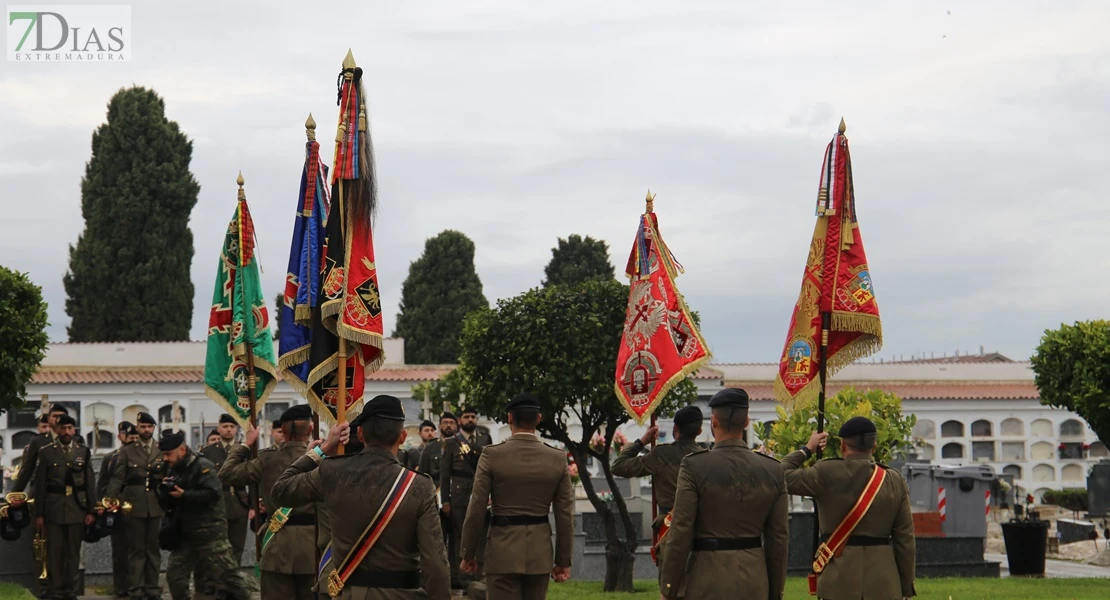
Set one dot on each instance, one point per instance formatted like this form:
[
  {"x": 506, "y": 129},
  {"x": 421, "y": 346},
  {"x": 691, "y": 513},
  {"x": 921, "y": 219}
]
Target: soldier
[
  {"x": 191, "y": 493},
  {"x": 31, "y": 451},
  {"x": 44, "y": 424},
  {"x": 411, "y": 457},
  {"x": 237, "y": 506},
  {"x": 456, "y": 479},
  {"x": 431, "y": 454},
  {"x": 126, "y": 434},
  {"x": 877, "y": 557},
  {"x": 662, "y": 463},
  {"x": 288, "y": 560},
  {"x": 385, "y": 540},
  {"x": 728, "y": 535},
  {"x": 525, "y": 478},
  {"x": 213, "y": 438},
  {"x": 64, "y": 486},
  {"x": 135, "y": 480},
  {"x": 277, "y": 437}
]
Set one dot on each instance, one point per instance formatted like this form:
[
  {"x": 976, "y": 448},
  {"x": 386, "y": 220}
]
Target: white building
[{"x": 972, "y": 410}]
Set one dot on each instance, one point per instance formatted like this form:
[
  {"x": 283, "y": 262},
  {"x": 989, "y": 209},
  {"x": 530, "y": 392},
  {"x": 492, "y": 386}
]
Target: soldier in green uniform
[
  {"x": 288, "y": 561},
  {"x": 30, "y": 457},
  {"x": 878, "y": 560},
  {"x": 135, "y": 480},
  {"x": 126, "y": 434},
  {"x": 407, "y": 559},
  {"x": 728, "y": 535},
  {"x": 64, "y": 487},
  {"x": 191, "y": 493},
  {"x": 277, "y": 437},
  {"x": 236, "y": 500},
  {"x": 662, "y": 462},
  {"x": 525, "y": 479},
  {"x": 461, "y": 452},
  {"x": 431, "y": 454}
]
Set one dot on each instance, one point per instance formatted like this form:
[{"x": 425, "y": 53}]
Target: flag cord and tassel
[{"x": 251, "y": 383}]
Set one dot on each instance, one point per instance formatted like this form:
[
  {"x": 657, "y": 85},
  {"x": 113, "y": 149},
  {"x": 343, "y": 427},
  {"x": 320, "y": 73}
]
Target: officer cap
[
  {"x": 427, "y": 423},
  {"x": 58, "y": 408},
  {"x": 734, "y": 397},
  {"x": 66, "y": 420},
  {"x": 146, "y": 418},
  {"x": 856, "y": 426},
  {"x": 226, "y": 418},
  {"x": 470, "y": 410},
  {"x": 381, "y": 407},
  {"x": 170, "y": 440},
  {"x": 300, "y": 412},
  {"x": 524, "y": 400},
  {"x": 125, "y": 427},
  {"x": 448, "y": 415},
  {"x": 688, "y": 415}
]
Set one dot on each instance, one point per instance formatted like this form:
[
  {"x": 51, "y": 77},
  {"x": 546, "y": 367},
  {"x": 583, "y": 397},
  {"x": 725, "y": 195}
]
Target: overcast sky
[{"x": 979, "y": 146}]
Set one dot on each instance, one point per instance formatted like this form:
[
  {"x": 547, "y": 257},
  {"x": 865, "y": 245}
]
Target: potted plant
[{"x": 1026, "y": 540}]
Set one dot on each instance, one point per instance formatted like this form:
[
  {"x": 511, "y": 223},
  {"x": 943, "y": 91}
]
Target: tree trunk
[{"x": 620, "y": 555}]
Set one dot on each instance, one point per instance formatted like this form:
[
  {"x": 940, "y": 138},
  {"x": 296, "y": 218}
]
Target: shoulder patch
[{"x": 203, "y": 471}]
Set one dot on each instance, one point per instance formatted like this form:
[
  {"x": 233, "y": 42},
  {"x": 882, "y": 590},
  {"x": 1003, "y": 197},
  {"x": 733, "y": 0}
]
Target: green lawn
[
  {"x": 927, "y": 589},
  {"x": 10, "y": 591}
]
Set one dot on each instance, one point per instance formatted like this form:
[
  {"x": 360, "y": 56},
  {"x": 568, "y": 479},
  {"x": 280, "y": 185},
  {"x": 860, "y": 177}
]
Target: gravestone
[
  {"x": 1072, "y": 530},
  {"x": 1098, "y": 489}
]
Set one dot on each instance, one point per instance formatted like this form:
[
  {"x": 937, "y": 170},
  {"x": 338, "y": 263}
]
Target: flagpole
[
  {"x": 649, "y": 207},
  {"x": 252, "y": 493},
  {"x": 310, "y": 134}
]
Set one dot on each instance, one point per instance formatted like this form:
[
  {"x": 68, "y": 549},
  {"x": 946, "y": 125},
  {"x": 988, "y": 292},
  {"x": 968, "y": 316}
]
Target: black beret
[
  {"x": 380, "y": 407},
  {"x": 524, "y": 400},
  {"x": 226, "y": 418},
  {"x": 170, "y": 440},
  {"x": 276, "y": 424},
  {"x": 688, "y": 415},
  {"x": 300, "y": 412},
  {"x": 146, "y": 418},
  {"x": 470, "y": 410},
  {"x": 212, "y": 433},
  {"x": 856, "y": 426},
  {"x": 44, "y": 418},
  {"x": 125, "y": 426},
  {"x": 427, "y": 423},
  {"x": 58, "y": 408},
  {"x": 67, "y": 420},
  {"x": 448, "y": 415},
  {"x": 735, "y": 397}
]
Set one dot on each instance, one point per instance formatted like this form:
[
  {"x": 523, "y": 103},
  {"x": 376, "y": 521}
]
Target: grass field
[
  {"x": 10, "y": 591},
  {"x": 927, "y": 589}
]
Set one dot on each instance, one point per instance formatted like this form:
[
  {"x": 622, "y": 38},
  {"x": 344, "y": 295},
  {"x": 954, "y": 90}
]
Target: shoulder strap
[
  {"x": 338, "y": 578},
  {"x": 461, "y": 441},
  {"x": 839, "y": 537}
]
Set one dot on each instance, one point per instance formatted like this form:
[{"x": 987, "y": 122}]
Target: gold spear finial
[
  {"x": 650, "y": 201},
  {"x": 349, "y": 60},
  {"x": 842, "y": 127},
  {"x": 310, "y": 128},
  {"x": 239, "y": 180}
]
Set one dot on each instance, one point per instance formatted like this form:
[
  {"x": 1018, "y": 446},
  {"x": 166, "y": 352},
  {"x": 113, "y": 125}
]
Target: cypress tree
[
  {"x": 128, "y": 277},
  {"x": 441, "y": 288},
  {"x": 576, "y": 260}
]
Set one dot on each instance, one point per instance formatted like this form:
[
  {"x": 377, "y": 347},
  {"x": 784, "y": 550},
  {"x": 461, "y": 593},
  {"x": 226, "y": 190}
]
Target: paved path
[{"x": 1056, "y": 568}]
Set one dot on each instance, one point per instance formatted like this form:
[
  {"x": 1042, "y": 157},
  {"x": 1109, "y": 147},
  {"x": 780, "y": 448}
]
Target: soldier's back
[{"x": 292, "y": 548}]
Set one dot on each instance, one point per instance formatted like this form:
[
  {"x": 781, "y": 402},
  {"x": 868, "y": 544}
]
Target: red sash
[
  {"x": 338, "y": 578},
  {"x": 830, "y": 549},
  {"x": 658, "y": 537}
]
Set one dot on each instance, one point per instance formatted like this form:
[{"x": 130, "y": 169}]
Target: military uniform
[
  {"x": 878, "y": 560},
  {"x": 139, "y": 463},
  {"x": 728, "y": 535},
  {"x": 288, "y": 561},
  {"x": 120, "y": 558},
  {"x": 525, "y": 478},
  {"x": 202, "y": 527},
  {"x": 456, "y": 480},
  {"x": 236, "y": 500},
  {"x": 408, "y": 560},
  {"x": 64, "y": 487}
]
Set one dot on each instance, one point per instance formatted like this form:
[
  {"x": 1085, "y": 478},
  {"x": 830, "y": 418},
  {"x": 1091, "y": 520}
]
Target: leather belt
[
  {"x": 863, "y": 540},
  {"x": 505, "y": 521},
  {"x": 59, "y": 489},
  {"x": 402, "y": 580},
  {"x": 303, "y": 519},
  {"x": 135, "y": 481},
  {"x": 717, "y": 544},
  {"x": 462, "y": 474}
]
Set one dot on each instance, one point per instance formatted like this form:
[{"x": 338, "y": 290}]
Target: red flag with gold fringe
[
  {"x": 661, "y": 345},
  {"x": 836, "y": 282}
]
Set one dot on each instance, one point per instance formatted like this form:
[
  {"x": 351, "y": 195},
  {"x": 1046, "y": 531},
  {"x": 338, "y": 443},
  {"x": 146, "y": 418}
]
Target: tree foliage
[
  {"x": 560, "y": 343},
  {"x": 441, "y": 288},
  {"x": 23, "y": 337},
  {"x": 793, "y": 428},
  {"x": 128, "y": 276},
  {"x": 1071, "y": 368},
  {"x": 577, "y": 259}
]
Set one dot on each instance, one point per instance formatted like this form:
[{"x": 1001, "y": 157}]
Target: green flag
[{"x": 239, "y": 324}]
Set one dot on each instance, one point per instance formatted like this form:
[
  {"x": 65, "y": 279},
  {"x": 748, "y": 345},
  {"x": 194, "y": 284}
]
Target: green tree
[
  {"x": 577, "y": 259},
  {"x": 1071, "y": 368},
  {"x": 792, "y": 429},
  {"x": 23, "y": 337},
  {"x": 128, "y": 276},
  {"x": 560, "y": 343},
  {"x": 441, "y": 288}
]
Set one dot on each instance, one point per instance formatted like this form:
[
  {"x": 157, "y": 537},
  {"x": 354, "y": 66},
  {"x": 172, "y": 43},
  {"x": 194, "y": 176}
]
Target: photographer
[{"x": 196, "y": 530}]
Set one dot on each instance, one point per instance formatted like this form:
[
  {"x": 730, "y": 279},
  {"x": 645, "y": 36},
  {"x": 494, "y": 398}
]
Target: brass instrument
[{"x": 40, "y": 552}]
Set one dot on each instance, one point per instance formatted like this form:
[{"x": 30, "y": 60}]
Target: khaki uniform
[
  {"x": 456, "y": 480},
  {"x": 64, "y": 488},
  {"x": 351, "y": 488},
  {"x": 30, "y": 459},
  {"x": 727, "y": 495},
  {"x": 288, "y": 561},
  {"x": 236, "y": 501},
  {"x": 871, "y": 572},
  {"x": 525, "y": 478},
  {"x": 119, "y": 535},
  {"x": 131, "y": 482}
]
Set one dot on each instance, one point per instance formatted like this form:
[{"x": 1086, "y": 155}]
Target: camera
[{"x": 167, "y": 484}]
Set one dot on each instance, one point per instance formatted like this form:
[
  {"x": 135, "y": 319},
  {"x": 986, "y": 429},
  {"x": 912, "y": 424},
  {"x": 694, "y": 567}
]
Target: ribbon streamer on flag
[{"x": 660, "y": 345}]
